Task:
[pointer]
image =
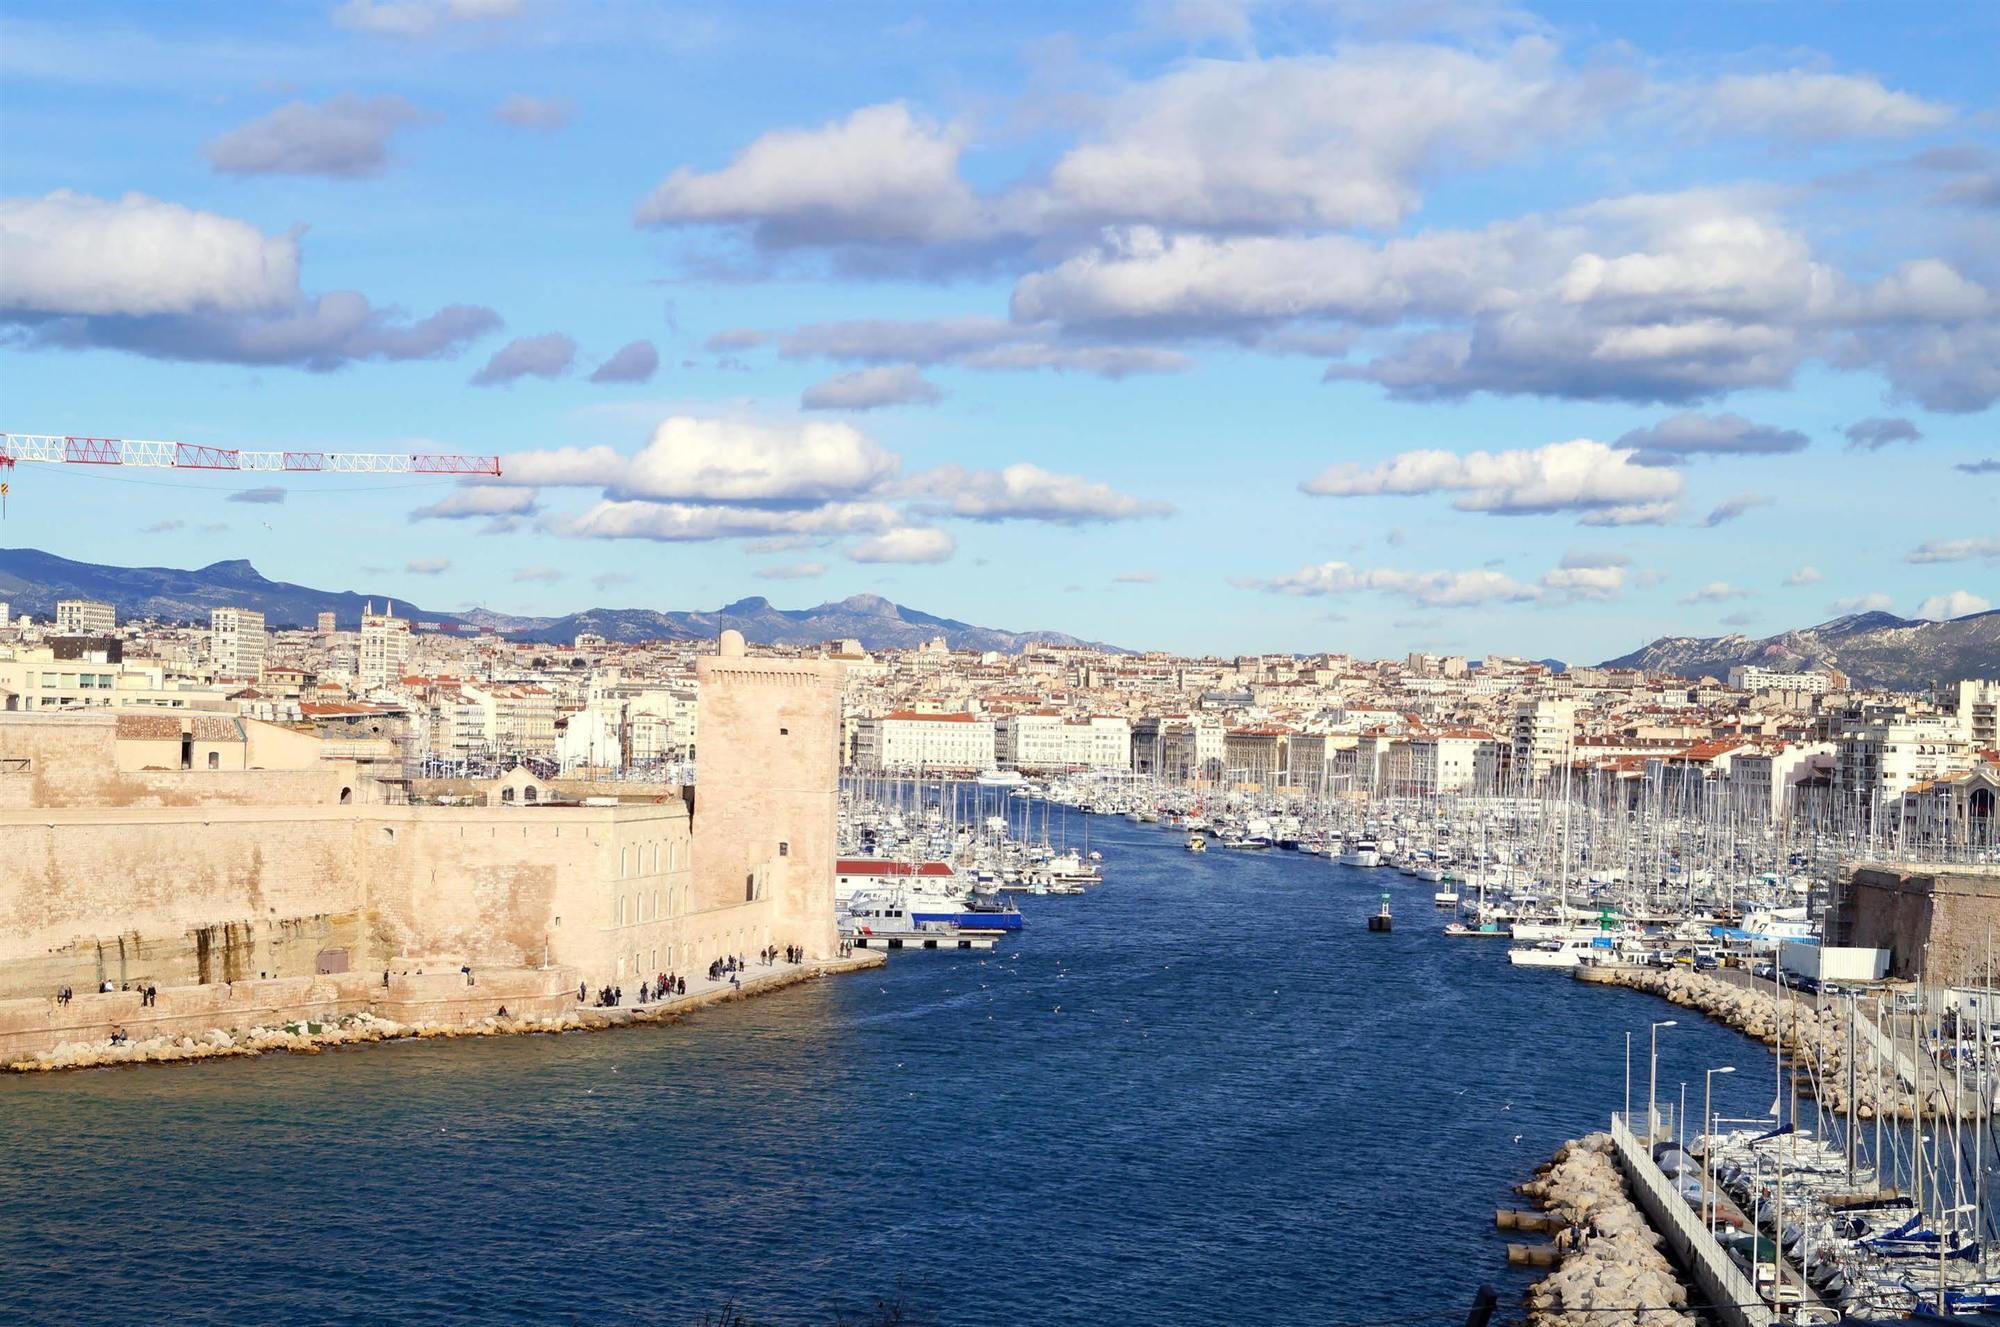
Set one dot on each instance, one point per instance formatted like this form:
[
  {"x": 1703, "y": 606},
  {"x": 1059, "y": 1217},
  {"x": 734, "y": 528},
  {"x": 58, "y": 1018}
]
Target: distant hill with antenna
[{"x": 31, "y": 581}]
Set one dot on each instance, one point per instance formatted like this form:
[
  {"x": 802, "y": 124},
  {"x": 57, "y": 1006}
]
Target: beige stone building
[{"x": 178, "y": 849}]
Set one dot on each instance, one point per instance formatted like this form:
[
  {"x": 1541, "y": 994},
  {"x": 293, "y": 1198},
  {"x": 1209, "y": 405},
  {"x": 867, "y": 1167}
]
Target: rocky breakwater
[
  {"x": 299, "y": 1038},
  {"x": 1814, "y": 1040},
  {"x": 1612, "y": 1270},
  {"x": 311, "y": 1036}
]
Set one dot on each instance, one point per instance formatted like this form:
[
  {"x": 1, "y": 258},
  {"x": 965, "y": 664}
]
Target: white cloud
[
  {"x": 791, "y": 571},
  {"x": 1715, "y": 592},
  {"x": 881, "y": 175},
  {"x": 164, "y": 281},
  {"x": 1598, "y": 582},
  {"x": 1317, "y": 140},
  {"x": 977, "y": 342},
  {"x": 908, "y": 544},
  {"x": 344, "y": 137},
  {"x": 420, "y": 18},
  {"x": 871, "y": 389},
  {"x": 1954, "y": 550},
  {"x": 427, "y": 566},
  {"x": 538, "y": 572},
  {"x": 68, "y": 253},
  {"x": 479, "y": 500},
  {"x": 1028, "y": 492},
  {"x": 719, "y": 460},
  {"x": 1135, "y": 578},
  {"x": 1808, "y": 107},
  {"x": 525, "y": 112},
  {"x": 1864, "y": 603},
  {"x": 547, "y": 356},
  {"x": 1437, "y": 589},
  {"x": 1945, "y": 607},
  {"x": 674, "y": 522},
  {"x": 1805, "y": 576},
  {"x": 1579, "y": 475}
]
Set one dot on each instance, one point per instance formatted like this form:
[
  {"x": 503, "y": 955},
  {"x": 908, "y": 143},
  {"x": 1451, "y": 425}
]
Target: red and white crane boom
[{"x": 133, "y": 452}]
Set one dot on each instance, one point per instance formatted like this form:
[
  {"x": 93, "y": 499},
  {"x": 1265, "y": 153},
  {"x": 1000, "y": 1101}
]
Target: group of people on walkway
[
  {"x": 608, "y": 997},
  {"x": 663, "y": 987},
  {"x": 149, "y": 994},
  {"x": 793, "y": 954}
]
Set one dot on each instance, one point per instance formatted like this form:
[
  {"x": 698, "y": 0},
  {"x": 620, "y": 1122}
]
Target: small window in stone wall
[
  {"x": 784, "y": 732},
  {"x": 784, "y": 849}
]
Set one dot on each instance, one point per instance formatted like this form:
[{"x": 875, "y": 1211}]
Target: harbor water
[{"x": 1205, "y": 1092}]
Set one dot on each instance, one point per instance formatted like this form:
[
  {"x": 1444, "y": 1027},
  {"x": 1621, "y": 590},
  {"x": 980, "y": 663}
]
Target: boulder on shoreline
[{"x": 1612, "y": 1271}]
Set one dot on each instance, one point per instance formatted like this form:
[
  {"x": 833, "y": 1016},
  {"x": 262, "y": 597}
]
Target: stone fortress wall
[{"x": 115, "y": 866}]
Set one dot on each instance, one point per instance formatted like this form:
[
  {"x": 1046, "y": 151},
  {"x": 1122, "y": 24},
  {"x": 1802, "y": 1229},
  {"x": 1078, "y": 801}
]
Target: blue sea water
[{"x": 1204, "y": 1093}]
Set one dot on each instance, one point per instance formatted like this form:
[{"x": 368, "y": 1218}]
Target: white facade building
[
  {"x": 385, "y": 649},
  {"x": 85, "y": 617},
  {"x": 1045, "y": 741},
  {"x": 1752, "y": 678},
  {"x": 237, "y": 642},
  {"x": 904, "y": 739}
]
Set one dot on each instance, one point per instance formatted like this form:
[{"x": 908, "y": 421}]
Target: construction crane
[{"x": 133, "y": 452}]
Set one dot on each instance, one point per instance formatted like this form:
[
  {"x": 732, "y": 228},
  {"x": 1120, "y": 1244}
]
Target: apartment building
[
  {"x": 1047, "y": 741},
  {"x": 237, "y": 642},
  {"x": 1753, "y": 679},
  {"x": 908, "y": 740},
  {"x": 385, "y": 648},
  {"x": 85, "y": 617}
]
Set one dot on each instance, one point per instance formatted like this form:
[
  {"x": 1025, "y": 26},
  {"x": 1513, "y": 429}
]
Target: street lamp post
[
  {"x": 1628, "y": 1080},
  {"x": 1708, "y": 1140},
  {"x": 1653, "y": 1082}
]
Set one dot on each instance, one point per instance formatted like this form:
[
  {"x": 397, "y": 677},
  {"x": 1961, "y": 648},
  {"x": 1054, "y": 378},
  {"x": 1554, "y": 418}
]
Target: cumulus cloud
[
  {"x": 871, "y": 389},
  {"x": 1945, "y": 607},
  {"x": 720, "y": 460},
  {"x": 791, "y": 571},
  {"x": 268, "y": 496},
  {"x": 735, "y": 338},
  {"x": 71, "y": 254},
  {"x": 1580, "y": 475},
  {"x": 677, "y": 522},
  {"x": 525, "y": 112},
  {"x": 1028, "y": 492},
  {"x": 479, "y": 500},
  {"x": 344, "y": 137},
  {"x": 1987, "y": 466},
  {"x": 162, "y": 527},
  {"x": 1805, "y": 576},
  {"x": 1135, "y": 578},
  {"x": 1715, "y": 592},
  {"x": 1436, "y": 589},
  {"x": 908, "y": 544},
  {"x": 420, "y": 18},
  {"x": 1729, "y": 509},
  {"x": 1321, "y": 140},
  {"x": 427, "y": 566},
  {"x": 1585, "y": 582},
  {"x": 1875, "y": 434},
  {"x": 165, "y": 281},
  {"x": 549, "y": 355},
  {"x": 538, "y": 572},
  {"x": 1812, "y": 107},
  {"x": 635, "y": 361},
  {"x": 880, "y": 176},
  {"x": 1863, "y": 603},
  {"x": 1955, "y": 550},
  {"x": 1674, "y": 439}
]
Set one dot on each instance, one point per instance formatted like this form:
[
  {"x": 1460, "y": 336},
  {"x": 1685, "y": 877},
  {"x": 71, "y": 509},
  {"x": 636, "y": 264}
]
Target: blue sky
[{"x": 1211, "y": 325}]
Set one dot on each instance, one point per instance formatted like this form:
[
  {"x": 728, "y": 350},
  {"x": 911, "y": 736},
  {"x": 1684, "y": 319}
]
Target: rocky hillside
[
  {"x": 1873, "y": 649},
  {"x": 31, "y": 581}
]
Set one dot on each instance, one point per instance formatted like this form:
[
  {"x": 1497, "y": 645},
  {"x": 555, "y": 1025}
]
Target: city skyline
[{"x": 1198, "y": 326}]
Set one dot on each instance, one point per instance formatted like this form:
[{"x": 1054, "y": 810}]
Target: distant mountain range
[
  {"x": 32, "y": 581},
  {"x": 1873, "y": 649}
]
